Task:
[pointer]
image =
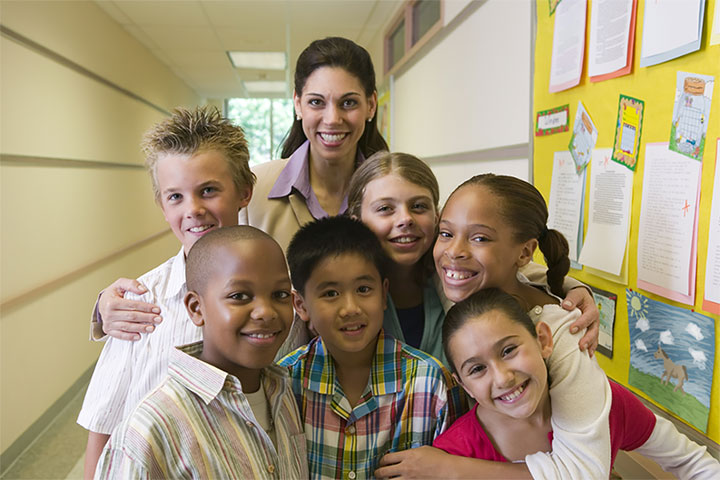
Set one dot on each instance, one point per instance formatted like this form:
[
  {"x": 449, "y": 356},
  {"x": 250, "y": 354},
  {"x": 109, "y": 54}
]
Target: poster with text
[{"x": 672, "y": 353}]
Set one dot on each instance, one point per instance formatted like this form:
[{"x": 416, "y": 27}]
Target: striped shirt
[
  {"x": 404, "y": 405},
  {"x": 199, "y": 424},
  {"x": 127, "y": 371}
]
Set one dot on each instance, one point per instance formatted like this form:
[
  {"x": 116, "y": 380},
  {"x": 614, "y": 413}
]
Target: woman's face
[
  {"x": 334, "y": 111},
  {"x": 402, "y": 215}
]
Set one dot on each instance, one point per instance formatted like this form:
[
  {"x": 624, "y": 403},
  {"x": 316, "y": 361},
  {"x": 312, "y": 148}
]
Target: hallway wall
[{"x": 77, "y": 93}]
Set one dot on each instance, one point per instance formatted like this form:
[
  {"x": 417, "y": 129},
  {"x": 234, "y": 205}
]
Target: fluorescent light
[
  {"x": 259, "y": 60},
  {"x": 265, "y": 86}
]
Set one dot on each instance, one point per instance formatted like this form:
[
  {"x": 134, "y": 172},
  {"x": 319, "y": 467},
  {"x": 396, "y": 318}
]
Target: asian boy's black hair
[{"x": 331, "y": 237}]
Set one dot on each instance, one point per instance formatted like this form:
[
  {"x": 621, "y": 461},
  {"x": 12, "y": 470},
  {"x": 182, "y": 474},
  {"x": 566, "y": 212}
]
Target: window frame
[{"x": 405, "y": 14}]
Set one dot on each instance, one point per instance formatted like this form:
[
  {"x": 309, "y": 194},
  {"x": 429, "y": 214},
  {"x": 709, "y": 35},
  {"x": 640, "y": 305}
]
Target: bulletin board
[{"x": 655, "y": 85}]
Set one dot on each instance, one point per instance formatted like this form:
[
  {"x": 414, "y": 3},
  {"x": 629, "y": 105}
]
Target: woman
[{"x": 335, "y": 129}]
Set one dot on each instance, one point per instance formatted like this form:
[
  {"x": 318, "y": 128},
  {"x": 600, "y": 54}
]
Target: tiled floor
[{"x": 58, "y": 453}]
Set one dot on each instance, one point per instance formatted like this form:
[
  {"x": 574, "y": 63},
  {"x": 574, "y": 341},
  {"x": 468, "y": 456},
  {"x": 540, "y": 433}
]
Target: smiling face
[
  {"x": 197, "y": 194},
  {"x": 245, "y": 308},
  {"x": 501, "y": 365},
  {"x": 344, "y": 301},
  {"x": 476, "y": 248},
  {"x": 334, "y": 110},
  {"x": 402, "y": 215}
]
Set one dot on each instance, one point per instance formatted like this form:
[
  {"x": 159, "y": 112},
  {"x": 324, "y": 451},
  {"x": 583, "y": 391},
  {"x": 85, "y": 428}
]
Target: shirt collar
[
  {"x": 207, "y": 381},
  {"x": 176, "y": 281},
  {"x": 386, "y": 373},
  {"x": 296, "y": 175}
]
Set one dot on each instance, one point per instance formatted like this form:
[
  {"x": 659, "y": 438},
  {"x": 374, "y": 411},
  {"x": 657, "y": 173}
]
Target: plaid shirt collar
[{"x": 385, "y": 378}]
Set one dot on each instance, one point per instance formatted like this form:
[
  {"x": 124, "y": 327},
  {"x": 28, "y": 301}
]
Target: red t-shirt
[{"x": 631, "y": 424}]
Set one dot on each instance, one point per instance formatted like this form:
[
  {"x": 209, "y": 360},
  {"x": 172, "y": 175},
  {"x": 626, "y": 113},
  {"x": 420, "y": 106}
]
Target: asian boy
[{"x": 361, "y": 393}]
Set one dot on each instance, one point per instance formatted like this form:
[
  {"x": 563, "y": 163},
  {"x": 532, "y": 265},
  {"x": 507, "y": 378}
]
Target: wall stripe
[
  {"x": 17, "y": 301},
  {"x": 510, "y": 152},
  {"x": 34, "y": 161},
  {"x": 56, "y": 57}
]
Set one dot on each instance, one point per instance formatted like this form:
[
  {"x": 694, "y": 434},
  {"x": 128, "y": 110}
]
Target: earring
[
  {"x": 298, "y": 117},
  {"x": 369, "y": 119}
]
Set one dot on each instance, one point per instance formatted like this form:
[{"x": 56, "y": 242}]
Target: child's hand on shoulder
[
  {"x": 581, "y": 299},
  {"x": 123, "y": 318}
]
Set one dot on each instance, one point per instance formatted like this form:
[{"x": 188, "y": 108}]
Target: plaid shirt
[{"x": 406, "y": 404}]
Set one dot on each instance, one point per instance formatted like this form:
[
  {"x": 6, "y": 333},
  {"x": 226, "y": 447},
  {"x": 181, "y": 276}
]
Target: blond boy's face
[
  {"x": 197, "y": 194},
  {"x": 344, "y": 301},
  {"x": 245, "y": 308}
]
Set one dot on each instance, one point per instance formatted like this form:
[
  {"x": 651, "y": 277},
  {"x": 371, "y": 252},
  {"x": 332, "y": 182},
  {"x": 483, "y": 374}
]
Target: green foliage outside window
[{"x": 266, "y": 122}]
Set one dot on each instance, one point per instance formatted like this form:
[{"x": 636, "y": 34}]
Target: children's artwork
[
  {"x": 583, "y": 138},
  {"x": 672, "y": 353},
  {"x": 628, "y": 131},
  {"x": 693, "y": 94},
  {"x": 552, "y": 121},
  {"x": 553, "y": 5},
  {"x": 605, "y": 302}
]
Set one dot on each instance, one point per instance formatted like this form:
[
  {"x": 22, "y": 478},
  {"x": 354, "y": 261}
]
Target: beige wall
[{"x": 73, "y": 191}]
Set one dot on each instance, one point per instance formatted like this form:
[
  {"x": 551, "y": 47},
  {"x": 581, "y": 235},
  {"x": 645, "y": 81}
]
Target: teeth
[
  {"x": 332, "y": 137},
  {"x": 513, "y": 395},
  {"x": 353, "y": 328},
  {"x": 200, "y": 229},
  {"x": 457, "y": 275},
  {"x": 404, "y": 239},
  {"x": 261, "y": 335}
]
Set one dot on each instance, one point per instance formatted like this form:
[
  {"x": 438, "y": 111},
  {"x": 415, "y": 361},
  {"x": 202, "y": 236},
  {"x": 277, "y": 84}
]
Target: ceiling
[{"x": 193, "y": 36}]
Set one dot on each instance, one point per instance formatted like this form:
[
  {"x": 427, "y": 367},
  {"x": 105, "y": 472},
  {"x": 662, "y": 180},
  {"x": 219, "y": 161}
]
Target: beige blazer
[{"x": 278, "y": 217}]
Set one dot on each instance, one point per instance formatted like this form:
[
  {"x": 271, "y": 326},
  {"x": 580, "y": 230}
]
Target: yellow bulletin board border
[{"x": 655, "y": 86}]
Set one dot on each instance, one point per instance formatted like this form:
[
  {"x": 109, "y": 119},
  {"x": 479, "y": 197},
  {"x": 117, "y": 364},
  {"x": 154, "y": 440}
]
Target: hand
[
  {"x": 421, "y": 462},
  {"x": 582, "y": 299},
  {"x": 126, "y": 319}
]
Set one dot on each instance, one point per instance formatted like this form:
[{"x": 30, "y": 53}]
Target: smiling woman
[{"x": 335, "y": 129}]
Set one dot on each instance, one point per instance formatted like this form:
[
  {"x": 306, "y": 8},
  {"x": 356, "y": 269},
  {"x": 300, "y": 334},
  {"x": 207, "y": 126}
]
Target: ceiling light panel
[{"x": 258, "y": 60}]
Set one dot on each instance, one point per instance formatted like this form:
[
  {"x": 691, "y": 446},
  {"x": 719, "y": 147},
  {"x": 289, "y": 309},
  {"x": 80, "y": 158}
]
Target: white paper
[
  {"x": 609, "y": 36},
  {"x": 566, "y": 200},
  {"x": 712, "y": 270},
  {"x": 609, "y": 213},
  {"x": 669, "y": 24},
  {"x": 667, "y": 218},
  {"x": 568, "y": 44}
]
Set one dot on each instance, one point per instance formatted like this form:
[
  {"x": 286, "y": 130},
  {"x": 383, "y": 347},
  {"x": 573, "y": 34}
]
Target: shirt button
[
  {"x": 351, "y": 431},
  {"x": 249, "y": 424},
  {"x": 537, "y": 310},
  {"x": 352, "y": 475},
  {"x": 271, "y": 468}
]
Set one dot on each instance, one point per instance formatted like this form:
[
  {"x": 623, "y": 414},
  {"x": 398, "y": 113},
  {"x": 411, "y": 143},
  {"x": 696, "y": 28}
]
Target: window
[
  {"x": 266, "y": 122},
  {"x": 415, "y": 24}
]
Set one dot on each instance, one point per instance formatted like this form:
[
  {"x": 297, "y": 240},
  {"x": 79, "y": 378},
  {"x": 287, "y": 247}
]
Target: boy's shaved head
[{"x": 201, "y": 260}]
